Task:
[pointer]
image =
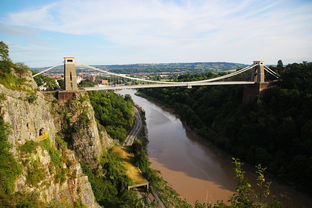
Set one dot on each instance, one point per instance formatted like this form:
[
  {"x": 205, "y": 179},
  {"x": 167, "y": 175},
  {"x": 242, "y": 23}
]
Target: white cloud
[{"x": 165, "y": 31}]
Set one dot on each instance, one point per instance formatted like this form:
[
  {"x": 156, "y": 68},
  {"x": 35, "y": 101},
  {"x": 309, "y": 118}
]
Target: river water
[{"x": 197, "y": 170}]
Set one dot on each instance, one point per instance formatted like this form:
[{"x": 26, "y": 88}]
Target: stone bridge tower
[
  {"x": 258, "y": 73},
  {"x": 70, "y": 77},
  {"x": 252, "y": 92}
]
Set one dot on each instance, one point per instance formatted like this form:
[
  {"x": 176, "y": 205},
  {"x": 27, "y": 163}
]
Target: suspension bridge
[{"x": 253, "y": 75}]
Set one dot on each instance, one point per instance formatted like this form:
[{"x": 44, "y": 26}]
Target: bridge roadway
[{"x": 182, "y": 84}]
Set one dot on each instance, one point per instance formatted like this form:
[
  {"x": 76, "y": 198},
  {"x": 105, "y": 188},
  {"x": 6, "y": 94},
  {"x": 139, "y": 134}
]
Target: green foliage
[
  {"x": 45, "y": 81},
  {"x": 280, "y": 64},
  {"x": 21, "y": 68},
  {"x": 2, "y": 97},
  {"x": 61, "y": 83},
  {"x": 35, "y": 174},
  {"x": 5, "y": 62},
  {"x": 86, "y": 83},
  {"x": 4, "y": 51},
  {"x": 275, "y": 130},
  {"x": 61, "y": 144},
  {"x": 246, "y": 195},
  {"x": 64, "y": 204},
  {"x": 56, "y": 159},
  {"x": 21, "y": 200},
  {"x": 110, "y": 187},
  {"x": 84, "y": 119},
  {"x": 10, "y": 169},
  {"x": 29, "y": 147},
  {"x": 10, "y": 73},
  {"x": 114, "y": 112},
  {"x": 32, "y": 98},
  {"x": 12, "y": 82}
]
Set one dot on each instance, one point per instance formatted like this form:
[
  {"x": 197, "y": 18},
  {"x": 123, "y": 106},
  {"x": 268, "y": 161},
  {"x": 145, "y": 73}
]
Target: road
[
  {"x": 135, "y": 130},
  {"x": 129, "y": 141}
]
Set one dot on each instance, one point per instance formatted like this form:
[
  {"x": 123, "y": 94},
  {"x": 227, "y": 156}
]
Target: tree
[
  {"x": 4, "y": 51},
  {"x": 4, "y": 58},
  {"x": 61, "y": 83},
  {"x": 280, "y": 64}
]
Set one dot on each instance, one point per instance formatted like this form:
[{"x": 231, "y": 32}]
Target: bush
[
  {"x": 29, "y": 147},
  {"x": 31, "y": 98},
  {"x": 114, "y": 112},
  {"x": 110, "y": 187},
  {"x": 56, "y": 159},
  {"x": 10, "y": 169},
  {"x": 35, "y": 174}
]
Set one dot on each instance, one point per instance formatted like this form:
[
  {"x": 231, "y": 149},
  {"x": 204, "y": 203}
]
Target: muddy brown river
[{"x": 197, "y": 170}]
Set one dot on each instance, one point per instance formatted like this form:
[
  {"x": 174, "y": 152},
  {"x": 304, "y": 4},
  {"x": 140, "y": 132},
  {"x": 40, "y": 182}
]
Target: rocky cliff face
[
  {"x": 76, "y": 120},
  {"x": 49, "y": 168}
]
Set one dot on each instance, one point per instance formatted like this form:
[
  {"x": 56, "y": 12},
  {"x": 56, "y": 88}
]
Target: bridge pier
[
  {"x": 70, "y": 80},
  {"x": 252, "y": 92},
  {"x": 70, "y": 77}
]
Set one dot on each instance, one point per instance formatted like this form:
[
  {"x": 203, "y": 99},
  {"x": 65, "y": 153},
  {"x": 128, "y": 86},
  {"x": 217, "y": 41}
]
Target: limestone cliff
[
  {"x": 49, "y": 168},
  {"x": 76, "y": 121}
]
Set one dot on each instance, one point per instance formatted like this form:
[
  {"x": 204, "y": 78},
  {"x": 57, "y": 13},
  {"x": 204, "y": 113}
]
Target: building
[{"x": 103, "y": 82}]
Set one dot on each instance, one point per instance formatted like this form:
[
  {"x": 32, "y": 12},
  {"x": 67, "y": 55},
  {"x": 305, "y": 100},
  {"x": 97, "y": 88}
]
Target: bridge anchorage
[{"x": 253, "y": 77}]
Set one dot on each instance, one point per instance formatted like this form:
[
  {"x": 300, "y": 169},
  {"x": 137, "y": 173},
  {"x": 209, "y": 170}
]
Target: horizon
[
  {"x": 116, "y": 32},
  {"x": 157, "y": 63}
]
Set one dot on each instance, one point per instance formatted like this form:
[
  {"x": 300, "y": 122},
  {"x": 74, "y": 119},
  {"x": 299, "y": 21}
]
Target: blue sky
[{"x": 41, "y": 32}]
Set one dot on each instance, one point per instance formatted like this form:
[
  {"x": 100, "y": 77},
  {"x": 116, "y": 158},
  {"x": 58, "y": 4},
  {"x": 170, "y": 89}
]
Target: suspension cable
[
  {"x": 160, "y": 82},
  {"x": 48, "y": 69}
]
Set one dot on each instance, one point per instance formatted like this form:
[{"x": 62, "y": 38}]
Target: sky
[{"x": 41, "y": 32}]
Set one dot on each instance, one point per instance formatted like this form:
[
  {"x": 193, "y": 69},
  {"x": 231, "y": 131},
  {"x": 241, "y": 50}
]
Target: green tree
[
  {"x": 275, "y": 129},
  {"x": 280, "y": 64},
  {"x": 4, "y": 52},
  {"x": 114, "y": 112},
  {"x": 5, "y": 62}
]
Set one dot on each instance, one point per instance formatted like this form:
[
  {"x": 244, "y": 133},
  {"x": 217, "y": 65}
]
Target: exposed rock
[
  {"x": 86, "y": 139},
  {"x": 32, "y": 120},
  {"x": 26, "y": 118}
]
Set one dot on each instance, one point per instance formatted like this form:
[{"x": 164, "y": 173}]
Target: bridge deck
[{"x": 182, "y": 84}]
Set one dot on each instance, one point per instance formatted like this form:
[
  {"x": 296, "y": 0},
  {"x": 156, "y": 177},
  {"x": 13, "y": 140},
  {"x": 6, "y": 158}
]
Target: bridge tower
[
  {"x": 252, "y": 92},
  {"x": 70, "y": 77},
  {"x": 258, "y": 73}
]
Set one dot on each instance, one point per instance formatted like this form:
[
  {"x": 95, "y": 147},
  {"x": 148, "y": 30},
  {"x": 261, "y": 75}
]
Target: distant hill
[{"x": 194, "y": 67}]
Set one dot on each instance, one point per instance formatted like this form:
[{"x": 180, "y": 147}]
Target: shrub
[
  {"x": 32, "y": 98},
  {"x": 56, "y": 159},
  {"x": 2, "y": 97},
  {"x": 35, "y": 174},
  {"x": 10, "y": 169},
  {"x": 29, "y": 147}
]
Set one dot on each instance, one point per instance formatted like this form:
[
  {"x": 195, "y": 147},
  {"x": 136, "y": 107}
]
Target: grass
[
  {"x": 10, "y": 169},
  {"x": 35, "y": 173},
  {"x": 29, "y": 147},
  {"x": 56, "y": 159},
  {"x": 12, "y": 82},
  {"x": 2, "y": 97},
  {"x": 132, "y": 172}
]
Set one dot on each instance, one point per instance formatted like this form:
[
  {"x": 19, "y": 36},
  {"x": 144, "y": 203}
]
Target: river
[{"x": 197, "y": 170}]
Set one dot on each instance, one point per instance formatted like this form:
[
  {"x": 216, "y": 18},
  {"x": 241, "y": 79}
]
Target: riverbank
[
  {"x": 160, "y": 190},
  {"x": 197, "y": 172},
  {"x": 295, "y": 198}
]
